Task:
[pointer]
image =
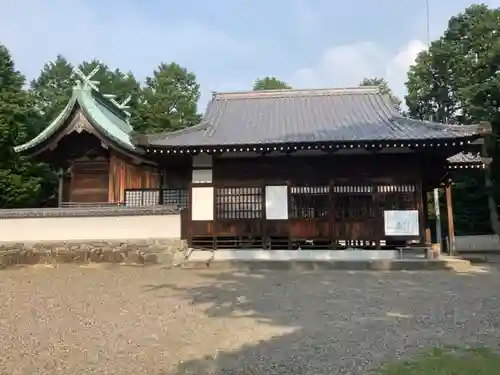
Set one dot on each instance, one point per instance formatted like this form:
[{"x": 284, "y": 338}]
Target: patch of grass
[{"x": 448, "y": 361}]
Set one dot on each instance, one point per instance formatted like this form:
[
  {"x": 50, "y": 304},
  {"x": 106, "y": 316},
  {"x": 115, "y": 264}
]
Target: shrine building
[{"x": 279, "y": 169}]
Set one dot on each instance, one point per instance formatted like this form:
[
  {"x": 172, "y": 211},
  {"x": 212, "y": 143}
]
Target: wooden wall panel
[
  {"x": 349, "y": 194},
  {"x": 125, "y": 175},
  {"x": 89, "y": 182},
  {"x": 380, "y": 168}
]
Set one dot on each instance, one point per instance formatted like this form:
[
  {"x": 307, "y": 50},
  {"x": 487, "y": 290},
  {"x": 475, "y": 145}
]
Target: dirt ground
[{"x": 132, "y": 320}]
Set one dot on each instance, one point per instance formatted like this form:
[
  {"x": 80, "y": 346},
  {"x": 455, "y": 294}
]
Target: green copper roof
[{"x": 107, "y": 119}]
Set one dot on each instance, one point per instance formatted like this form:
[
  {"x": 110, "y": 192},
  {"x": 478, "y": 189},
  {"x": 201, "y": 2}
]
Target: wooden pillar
[
  {"x": 60, "y": 188},
  {"x": 289, "y": 219},
  {"x": 425, "y": 204},
  {"x": 161, "y": 186},
  {"x": 421, "y": 206},
  {"x": 439, "y": 236},
  {"x": 451, "y": 223}
]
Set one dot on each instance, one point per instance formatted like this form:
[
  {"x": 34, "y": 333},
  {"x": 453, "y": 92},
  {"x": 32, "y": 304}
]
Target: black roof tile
[
  {"x": 300, "y": 116},
  {"x": 466, "y": 158}
]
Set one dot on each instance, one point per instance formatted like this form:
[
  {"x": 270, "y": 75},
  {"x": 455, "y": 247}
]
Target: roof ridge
[
  {"x": 296, "y": 92},
  {"x": 109, "y": 105}
]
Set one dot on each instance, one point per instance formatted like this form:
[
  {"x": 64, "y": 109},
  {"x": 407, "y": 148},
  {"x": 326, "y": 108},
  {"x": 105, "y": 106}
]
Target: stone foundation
[{"x": 152, "y": 251}]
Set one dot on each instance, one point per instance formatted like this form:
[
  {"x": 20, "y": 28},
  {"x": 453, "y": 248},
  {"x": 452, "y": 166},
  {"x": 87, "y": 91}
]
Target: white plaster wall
[
  {"x": 90, "y": 228},
  {"x": 488, "y": 242}
]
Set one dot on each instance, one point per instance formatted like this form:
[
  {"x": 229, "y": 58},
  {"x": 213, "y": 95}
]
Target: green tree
[
  {"x": 270, "y": 83},
  {"x": 125, "y": 85},
  {"x": 113, "y": 82},
  {"x": 21, "y": 182},
  {"x": 457, "y": 81},
  {"x": 384, "y": 88},
  {"x": 52, "y": 89},
  {"x": 169, "y": 100}
]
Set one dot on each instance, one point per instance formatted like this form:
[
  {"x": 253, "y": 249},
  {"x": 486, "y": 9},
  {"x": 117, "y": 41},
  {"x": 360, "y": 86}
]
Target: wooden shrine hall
[
  {"x": 279, "y": 169},
  {"x": 89, "y": 142}
]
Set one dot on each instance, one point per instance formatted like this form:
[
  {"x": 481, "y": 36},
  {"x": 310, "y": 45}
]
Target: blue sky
[{"x": 308, "y": 43}]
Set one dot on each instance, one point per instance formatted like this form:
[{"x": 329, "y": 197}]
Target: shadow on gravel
[{"x": 342, "y": 322}]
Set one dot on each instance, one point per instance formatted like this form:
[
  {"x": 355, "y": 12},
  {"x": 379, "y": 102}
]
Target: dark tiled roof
[
  {"x": 466, "y": 158},
  {"x": 300, "y": 116}
]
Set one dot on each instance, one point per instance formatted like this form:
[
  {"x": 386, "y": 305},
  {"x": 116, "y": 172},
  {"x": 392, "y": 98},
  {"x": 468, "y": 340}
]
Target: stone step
[{"x": 347, "y": 265}]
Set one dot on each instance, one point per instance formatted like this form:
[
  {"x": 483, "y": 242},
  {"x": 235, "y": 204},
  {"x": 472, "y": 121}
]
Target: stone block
[{"x": 147, "y": 251}]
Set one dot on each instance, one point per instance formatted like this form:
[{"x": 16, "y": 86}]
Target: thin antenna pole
[
  {"x": 439, "y": 236},
  {"x": 427, "y": 23}
]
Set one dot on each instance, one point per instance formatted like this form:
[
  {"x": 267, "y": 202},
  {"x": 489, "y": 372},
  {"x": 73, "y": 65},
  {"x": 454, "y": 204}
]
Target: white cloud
[
  {"x": 122, "y": 36},
  {"x": 347, "y": 65},
  {"x": 398, "y": 66}
]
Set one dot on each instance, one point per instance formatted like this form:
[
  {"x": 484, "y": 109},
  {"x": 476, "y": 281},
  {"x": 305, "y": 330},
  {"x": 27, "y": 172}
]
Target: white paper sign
[
  {"x": 202, "y": 203},
  {"x": 276, "y": 202},
  {"x": 401, "y": 223}
]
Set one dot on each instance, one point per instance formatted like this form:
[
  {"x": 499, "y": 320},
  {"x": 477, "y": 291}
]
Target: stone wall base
[{"x": 152, "y": 251}]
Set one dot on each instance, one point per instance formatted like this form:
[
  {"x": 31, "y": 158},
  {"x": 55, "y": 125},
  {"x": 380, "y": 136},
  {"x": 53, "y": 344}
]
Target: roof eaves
[
  {"x": 140, "y": 139},
  {"x": 51, "y": 128},
  {"x": 481, "y": 129}
]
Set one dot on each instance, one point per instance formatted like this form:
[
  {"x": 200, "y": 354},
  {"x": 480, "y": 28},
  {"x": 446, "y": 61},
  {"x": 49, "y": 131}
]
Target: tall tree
[
  {"x": 270, "y": 83},
  {"x": 116, "y": 82},
  {"x": 384, "y": 88},
  {"x": 21, "y": 182},
  {"x": 456, "y": 81},
  {"x": 169, "y": 100},
  {"x": 52, "y": 89}
]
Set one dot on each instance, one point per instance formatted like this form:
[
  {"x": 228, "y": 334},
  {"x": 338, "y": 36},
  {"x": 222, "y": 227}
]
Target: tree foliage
[
  {"x": 21, "y": 182},
  {"x": 270, "y": 83},
  {"x": 169, "y": 100},
  {"x": 384, "y": 88},
  {"x": 457, "y": 81},
  {"x": 53, "y": 87}
]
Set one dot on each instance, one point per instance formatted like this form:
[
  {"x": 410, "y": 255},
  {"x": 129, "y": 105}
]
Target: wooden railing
[
  {"x": 90, "y": 204},
  {"x": 156, "y": 197}
]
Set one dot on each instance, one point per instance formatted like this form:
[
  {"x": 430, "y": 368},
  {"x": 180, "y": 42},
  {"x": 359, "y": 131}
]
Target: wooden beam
[
  {"x": 60, "y": 189},
  {"x": 451, "y": 223},
  {"x": 439, "y": 236},
  {"x": 425, "y": 209},
  {"x": 478, "y": 141}
]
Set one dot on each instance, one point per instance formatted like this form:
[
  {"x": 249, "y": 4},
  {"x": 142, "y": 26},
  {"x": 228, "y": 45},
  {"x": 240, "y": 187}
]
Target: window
[
  {"x": 239, "y": 203},
  {"x": 397, "y": 197},
  {"x": 178, "y": 197},
  {"x": 309, "y": 202},
  {"x": 142, "y": 197},
  {"x": 354, "y": 202}
]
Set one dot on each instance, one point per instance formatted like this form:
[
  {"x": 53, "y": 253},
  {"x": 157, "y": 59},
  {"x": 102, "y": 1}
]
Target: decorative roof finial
[
  {"x": 87, "y": 79},
  {"x": 123, "y": 105}
]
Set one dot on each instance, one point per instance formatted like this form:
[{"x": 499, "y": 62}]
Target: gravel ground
[{"x": 141, "y": 321}]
